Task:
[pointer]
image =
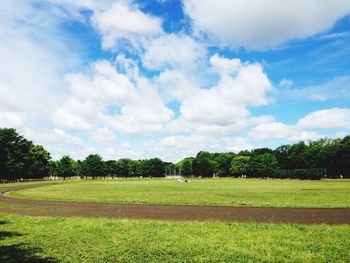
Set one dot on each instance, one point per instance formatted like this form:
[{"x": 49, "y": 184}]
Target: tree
[
  {"x": 65, "y": 167},
  {"x": 20, "y": 158},
  {"x": 94, "y": 166},
  {"x": 186, "y": 167},
  {"x": 240, "y": 165},
  {"x": 111, "y": 167},
  {"x": 201, "y": 165},
  {"x": 135, "y": 168},
  {"x": 14, "y": 151},
  {"x": 222, "y": 163},
  {"x": 122, "y": 167},
  {"x": 53, "y": 168},
  {"x": 263, "y": 165},
  {"x": 39, "y": 162},
  {"x": 153, "y": 168}
]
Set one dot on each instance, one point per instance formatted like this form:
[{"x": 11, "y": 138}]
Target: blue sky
[{"x": 166, "y": 78}]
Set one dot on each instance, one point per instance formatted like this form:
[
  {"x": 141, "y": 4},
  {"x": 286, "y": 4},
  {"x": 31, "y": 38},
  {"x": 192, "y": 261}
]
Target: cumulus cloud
[
  {"x": 32, "y": 59},
  {"x": 103, "y": 135},
  {"x": 124, "y": 21},
  {"x": 139, "y": 108},
  {"x": 264, "y": 119},
  {"x": 225, "y": 65},
  {"x": 172, "y": 51},
  {"x": 175, "y": 85},
  {"x": 108, "y": 101},
  {"x": 228, "y": 100},
  {"x": 326, "y": 119},
  {"x": 256, "y": 24},
  {"x": 278, "y": 130},
  {"x": 307, "y": 128}
]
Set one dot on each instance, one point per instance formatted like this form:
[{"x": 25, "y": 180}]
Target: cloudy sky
[{"x": 168, "y": 78}]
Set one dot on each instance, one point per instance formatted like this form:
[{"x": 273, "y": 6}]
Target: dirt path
[{"x": 171, "y": 212}]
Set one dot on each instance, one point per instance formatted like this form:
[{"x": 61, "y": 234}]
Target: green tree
[
  {"x": 39, "y": 162},
  {"x": 240, "y": 165},
  {"x": 20, "y": 158},
  {"x": 153, "y": 168},
  {"x": 201, "y": 165},
  {"x": 111, "y": 167},
  {"x": 122, "y": 167},
  {"x": 94, "y": 166},
  {"x": 263, "y": 165},
  {"x": 65, "y": 167},
  {"x": 135, "y": 168},
  {"x": 14, "y": 151},
  {"x": 186, "y": 167},
  {"x": 222, "y": 163}
]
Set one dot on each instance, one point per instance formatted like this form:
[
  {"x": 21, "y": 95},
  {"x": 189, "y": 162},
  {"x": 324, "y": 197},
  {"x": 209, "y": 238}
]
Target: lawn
[
  {"x": 110, "y": 240},
  {"x": 23, "y": 183},
  {"x": 232, "y": 192}
]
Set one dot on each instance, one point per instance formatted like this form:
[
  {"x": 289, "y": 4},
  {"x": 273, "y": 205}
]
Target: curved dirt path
[{"x": 170, "y": 212}]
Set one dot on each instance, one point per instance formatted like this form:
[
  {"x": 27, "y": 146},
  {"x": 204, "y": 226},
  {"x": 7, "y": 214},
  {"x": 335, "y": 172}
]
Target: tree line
[{"x": 22, "y": 159}]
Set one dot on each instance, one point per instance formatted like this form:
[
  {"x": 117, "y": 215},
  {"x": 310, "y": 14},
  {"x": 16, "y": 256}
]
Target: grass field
[
  {"x": 106, "y": 240},
  {"x": 232, "y": 192},
  {"x": 24, "y": 183}
]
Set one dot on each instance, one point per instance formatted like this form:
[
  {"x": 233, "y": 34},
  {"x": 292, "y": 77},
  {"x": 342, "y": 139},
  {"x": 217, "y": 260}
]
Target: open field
[
  {"x": 111, "y": 240},
  {"x": 242, "y": 214},
  {"x": 228, "y": 192},
  {"x": 91, "y": 239},
  {"x": 24, "y": 183}
]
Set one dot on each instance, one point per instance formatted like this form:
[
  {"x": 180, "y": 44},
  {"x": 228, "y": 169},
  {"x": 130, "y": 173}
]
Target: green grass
[
  {"x": 111, "y": 240},
  {"x": 24, "y": 183},
  {"x": 233, "y": 192}
]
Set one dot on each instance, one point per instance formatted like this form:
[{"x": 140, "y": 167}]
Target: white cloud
[
  {"x": 10, "y": 119},
  {"x": 228, "y": 100},
  {"x": 225, "y": 65},
  {"x": 257, "y": 24},
  {"x": 278, "y": 130},
  {"x": 214, "y": 116},
  {"x": 124, "y": 21},
  {"x": 33, "y": 56},
  {"x": 175, "y": 85},
  {"x": 264, "y": 119},
  {"x": 326, "y": 119},
  {"x": 68, "y": 120},
  {"x": 172, "y": 51},
  {"x": 53, "y": 136},
  {"x": 103, "y": 136},
  {"x": 307, "y": 128},
  {"x": 124, "y": 150},
  {"x": 275, "y": 130},
  {"x": 140, "y": 109}
]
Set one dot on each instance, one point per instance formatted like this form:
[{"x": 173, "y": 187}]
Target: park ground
[
  {"x": 91, "y": 239},
  {"x": 226, "y": 192}
]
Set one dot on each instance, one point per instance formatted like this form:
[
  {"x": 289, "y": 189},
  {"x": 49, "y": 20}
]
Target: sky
[{"x": 169, "y": 78}]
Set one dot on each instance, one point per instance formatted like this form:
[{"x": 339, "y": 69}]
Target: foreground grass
[
  {"x": 234, "y": 192},
  {"x": 29, "y": 239}
]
